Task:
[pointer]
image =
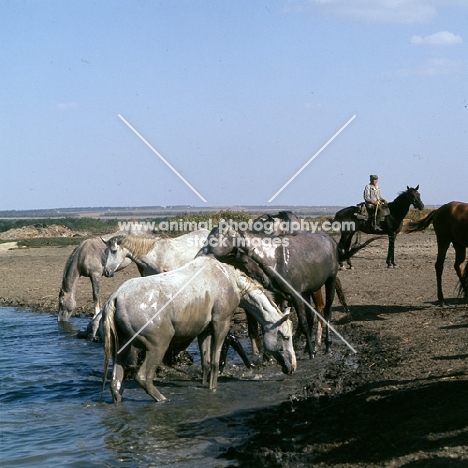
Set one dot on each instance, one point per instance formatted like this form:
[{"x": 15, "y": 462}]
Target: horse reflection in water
[{"x": 171, "y": 309}]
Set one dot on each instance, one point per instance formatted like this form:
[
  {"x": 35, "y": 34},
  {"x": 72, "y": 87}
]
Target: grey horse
[
  {"x": 86, "y": 260},
  {"x": 171, "y": 309}
]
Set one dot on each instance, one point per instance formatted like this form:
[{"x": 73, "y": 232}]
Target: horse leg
[
  {"x": 439, "y": 267},
  {"x": 460, "y": 255},
  {"x": 118, "y": 372},
  {"x": 319, "y": 303},
  {"x": 330, "y": 286},
  {"x": 252, "y": 327},
  {"x": 345, "y": 248},
  {"x": 95, "y": 284},
  {"x": 391, "y": 251},
  {"x": 220, "y": 330},
  {"x": 303, "y": 325},
  {"x": 231, "y": 340},
  {"x": 145, "y": 375}
]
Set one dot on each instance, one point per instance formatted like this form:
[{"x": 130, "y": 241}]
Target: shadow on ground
[{"x": 373, "y": 424}]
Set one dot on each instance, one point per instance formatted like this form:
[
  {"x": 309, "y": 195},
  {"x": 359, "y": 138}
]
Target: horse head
[
  {"x": 115, "y": 255},
  {"x": 281, "y": 347},
  {"x": 415, "y": 197},
  {"x": 66, "y": 306},
  {"x": 221, "y": 242},
  {"x": 276, "y": 326}
]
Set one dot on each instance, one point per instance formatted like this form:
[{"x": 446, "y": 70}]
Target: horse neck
[
  {"x": 71, "y": 272},
  {"x": 256, "y": 301},
  {"x": 400, "y": 206},
  {"x": 256, "y": 249},
  {"x": 138, "y": 248}
]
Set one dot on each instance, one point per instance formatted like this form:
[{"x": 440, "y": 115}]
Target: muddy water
[{"x": 51, "y": 414}]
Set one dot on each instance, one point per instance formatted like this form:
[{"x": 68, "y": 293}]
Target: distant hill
[{"x": 159, "y": 211}]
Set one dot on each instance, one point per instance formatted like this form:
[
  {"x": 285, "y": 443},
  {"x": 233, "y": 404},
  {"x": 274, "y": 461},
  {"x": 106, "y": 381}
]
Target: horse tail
[
  {"x": 416, "y": 226},
  {"x": 341, "y": 295},
  {"x": 111, "y": 342},
  {"x": 343, "y": 256}
]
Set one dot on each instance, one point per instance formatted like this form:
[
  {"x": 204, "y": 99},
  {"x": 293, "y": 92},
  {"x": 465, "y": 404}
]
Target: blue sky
[{"x": 236, "y": 96}]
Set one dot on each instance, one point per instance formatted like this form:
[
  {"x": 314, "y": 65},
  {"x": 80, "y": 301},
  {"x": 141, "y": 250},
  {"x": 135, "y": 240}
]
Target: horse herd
[{"x": 186, "y": 292}]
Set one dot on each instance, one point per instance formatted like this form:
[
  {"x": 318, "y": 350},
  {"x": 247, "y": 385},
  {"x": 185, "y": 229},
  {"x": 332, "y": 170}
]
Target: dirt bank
[{"x": 400, "y": 401}]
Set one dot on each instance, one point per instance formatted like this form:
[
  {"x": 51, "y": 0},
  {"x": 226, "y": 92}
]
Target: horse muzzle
[
  {"x": 63, "y": 315},
  {"x": 108, "y": 273}
]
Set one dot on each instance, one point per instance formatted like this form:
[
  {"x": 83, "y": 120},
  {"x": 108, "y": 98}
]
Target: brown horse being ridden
[
  {"x": 397, "y": 210},
  {"x": 450, "y": 223}
]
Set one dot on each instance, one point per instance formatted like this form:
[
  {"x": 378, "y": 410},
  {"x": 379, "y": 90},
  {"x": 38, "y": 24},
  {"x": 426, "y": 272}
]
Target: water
[{"x": 50, "y": 413}]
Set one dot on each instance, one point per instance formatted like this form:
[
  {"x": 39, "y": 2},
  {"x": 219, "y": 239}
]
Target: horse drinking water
[
  {"x": 86, "y": 260},
  {"x": 171, "y": 309},
  {"x": 299, "y": 264}
]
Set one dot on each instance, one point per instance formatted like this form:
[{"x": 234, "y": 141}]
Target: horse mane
[
  {"x": 162, "y": 235},
  {"x": 70, "y": 259},
  {"x": 138, "y": 246},
  {"x": 253, "y": 284},
  {"x": 66, "y": 270}
]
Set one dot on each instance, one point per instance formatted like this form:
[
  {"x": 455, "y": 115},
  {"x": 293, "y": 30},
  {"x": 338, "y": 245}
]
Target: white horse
[
  {"x": 155, "y": 255},
  {"x": 171, "y": 309}
]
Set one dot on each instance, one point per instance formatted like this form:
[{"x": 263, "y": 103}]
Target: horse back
[
  {"x": 451, "y": 223},
  {"x": 346, "y": 214},
  {"x": 178, "y": 304},
  {"x": 310, "y": 258}
]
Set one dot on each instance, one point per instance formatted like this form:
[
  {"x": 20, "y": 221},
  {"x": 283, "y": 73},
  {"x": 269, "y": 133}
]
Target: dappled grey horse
[
  {"x": 154, "y": 256},
  {"x": 171, "y": 309},
  {"x": 86, "y": 260},
  {"x": 299, "y": 264}
]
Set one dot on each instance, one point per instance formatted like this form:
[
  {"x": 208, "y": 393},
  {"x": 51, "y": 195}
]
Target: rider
[{"x": 374, "y": 201}]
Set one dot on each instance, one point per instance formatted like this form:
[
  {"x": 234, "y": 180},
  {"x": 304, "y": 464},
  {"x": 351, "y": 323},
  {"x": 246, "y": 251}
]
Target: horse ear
[
  {"x": 283, "y": 318},
  {"x": 407, "y": 187},
  {"x": 417, "y": 188}
]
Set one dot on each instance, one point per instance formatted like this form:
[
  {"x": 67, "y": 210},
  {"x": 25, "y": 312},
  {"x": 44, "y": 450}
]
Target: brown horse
[{"x": 450, "y": 223}]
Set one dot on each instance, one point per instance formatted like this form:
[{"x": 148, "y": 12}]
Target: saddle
[{"x": 362, "y": 212}]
